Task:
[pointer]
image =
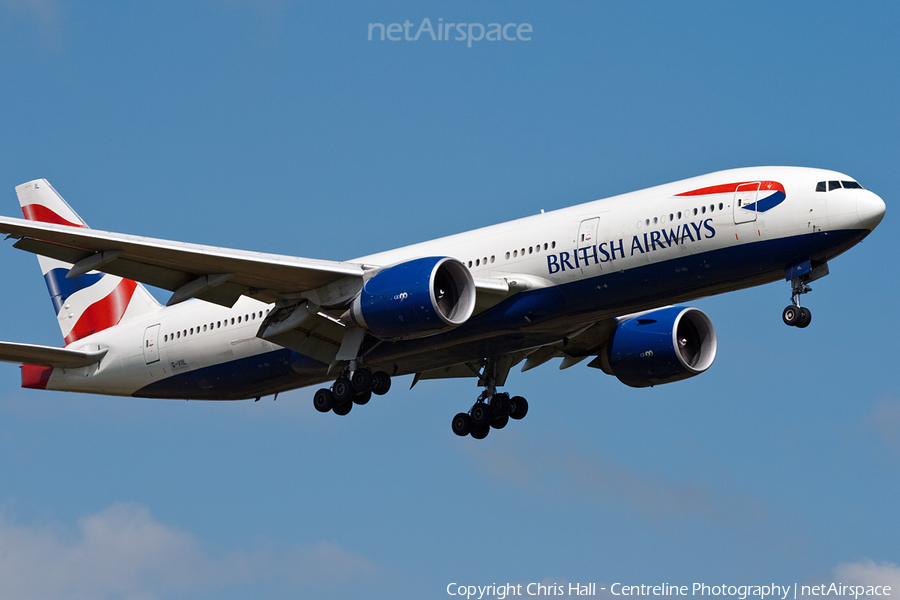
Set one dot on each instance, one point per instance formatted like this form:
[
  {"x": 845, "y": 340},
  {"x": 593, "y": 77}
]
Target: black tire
[
  {"x": 342, "y": 390},
  {"x": 462, "y": 424},
  {"x": 805, "y": 318},
  {"x": 381, "y": 383},
  {"x": 362, "y": 380},
  {"x": 323, "y": 400},
  {"x": 479, "y": 433},
  {"x": 362, "y": 398},
  {"x": 481, "y": 415},
  {"x": 519, "y": 407},
  {"x": 500, "y": 404},
  {"x": 500, "y": 422},
  {"x": 342, "y": 409},
  {"x": 791, "y": 315}
]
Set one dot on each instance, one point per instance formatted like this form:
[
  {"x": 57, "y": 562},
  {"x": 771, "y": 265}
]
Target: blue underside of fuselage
[{"x": 526, "y": 319}]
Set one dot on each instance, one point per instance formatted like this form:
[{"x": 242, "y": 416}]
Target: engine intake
[
  {"x": 416, "y": 298},
  {"x": 662, "y": 346}
]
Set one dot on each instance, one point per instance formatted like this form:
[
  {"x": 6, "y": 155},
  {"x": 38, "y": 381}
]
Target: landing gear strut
[
  {"x": 351, "y": 388},
  {"x": 794, "y": 314}
]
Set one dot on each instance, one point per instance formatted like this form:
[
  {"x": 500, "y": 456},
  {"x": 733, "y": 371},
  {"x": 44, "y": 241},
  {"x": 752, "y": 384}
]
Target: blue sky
[{"x": 277, "y": 126}]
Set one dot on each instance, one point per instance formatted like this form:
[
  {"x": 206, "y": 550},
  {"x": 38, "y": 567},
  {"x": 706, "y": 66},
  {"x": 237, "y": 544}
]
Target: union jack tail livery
[{"x": 87, "y": 303}]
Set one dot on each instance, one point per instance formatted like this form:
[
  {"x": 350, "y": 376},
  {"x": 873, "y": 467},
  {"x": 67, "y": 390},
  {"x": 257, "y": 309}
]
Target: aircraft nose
[{"x": 869, "y": 209}]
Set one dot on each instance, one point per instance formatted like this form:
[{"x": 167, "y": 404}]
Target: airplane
[{"x": 599, "y": 280}]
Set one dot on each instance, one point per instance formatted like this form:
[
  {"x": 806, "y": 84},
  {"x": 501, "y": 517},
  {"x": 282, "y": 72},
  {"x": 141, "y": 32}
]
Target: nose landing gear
[
  {"x": 794, "y": 314},
  {"x": 797, "y": 316},
  {"x": 800, "y": 275}
]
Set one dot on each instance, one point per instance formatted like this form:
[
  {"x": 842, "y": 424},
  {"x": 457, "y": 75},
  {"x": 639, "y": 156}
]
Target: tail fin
[{"x": 88, "y": 303}]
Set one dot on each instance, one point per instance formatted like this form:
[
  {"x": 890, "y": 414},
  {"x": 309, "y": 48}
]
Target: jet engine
[
  {"x": 416, "y": 298},
  {"x": 662, "y": 346}
]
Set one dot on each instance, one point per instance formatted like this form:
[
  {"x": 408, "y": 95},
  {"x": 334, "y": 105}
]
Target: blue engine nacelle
[
  {"x": 416, "y": 298},
  {"x": 662, "y": 346}
]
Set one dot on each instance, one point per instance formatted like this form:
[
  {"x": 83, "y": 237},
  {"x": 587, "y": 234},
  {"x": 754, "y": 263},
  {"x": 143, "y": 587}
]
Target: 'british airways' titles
[{"x": 650, "y": 241}]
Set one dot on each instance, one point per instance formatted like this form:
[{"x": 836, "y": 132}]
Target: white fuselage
[{"x": 609, "y": 245}]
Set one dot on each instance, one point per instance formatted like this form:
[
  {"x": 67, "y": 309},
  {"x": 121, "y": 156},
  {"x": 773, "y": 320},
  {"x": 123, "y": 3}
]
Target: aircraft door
[
  {"x": 151, "y": 348},
  {"x": 587, "y": 232},
  {"x": 745, "y": 202},
  {"x": 587, "y": 239}
]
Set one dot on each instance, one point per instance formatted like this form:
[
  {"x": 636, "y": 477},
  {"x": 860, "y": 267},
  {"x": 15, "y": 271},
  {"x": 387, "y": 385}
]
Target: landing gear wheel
[
  {"x": 805, "y": 318},
  {"x": 381, "y": 383},
  {"x": 342, "y": 390},
  {"x": 480, "y": 433},
  {"x": 343, "y": 408},
  {"x": 323, "y": 400},
  {"x": 500, "y": 422},
  {"x": 481, "y": 416},
  {"x": 519, "y": 407},
  {"x": 500, "y": 405},
  {"x": 791, "y": 315},
  {"x": 362, "y": 380},
  {"x": 462, "y": 424},
  {"x": 362, "y": 398}
]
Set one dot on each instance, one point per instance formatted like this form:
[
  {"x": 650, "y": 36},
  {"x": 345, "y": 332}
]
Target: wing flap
[{"x": 33, "y": 354}]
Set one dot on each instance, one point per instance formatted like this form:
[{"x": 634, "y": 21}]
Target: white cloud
[
  {"x": 47, "y": 15},
  {"x": 603, "y": 480},
  {"x": 884, "y": 419},
  {"x": 868, "y": 572},
  {"x": 123, "y": 552}
]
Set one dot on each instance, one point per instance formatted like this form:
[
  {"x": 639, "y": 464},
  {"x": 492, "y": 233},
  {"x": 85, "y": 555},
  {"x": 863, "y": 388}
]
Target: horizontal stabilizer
[{"x": 33, "y": 354}]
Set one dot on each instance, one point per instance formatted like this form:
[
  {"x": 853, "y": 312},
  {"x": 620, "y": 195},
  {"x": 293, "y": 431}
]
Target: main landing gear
[
  {"x": 352, "y": 388},
  {"x": 494, "y": 412},
  {"x": 491, "y": 409}
]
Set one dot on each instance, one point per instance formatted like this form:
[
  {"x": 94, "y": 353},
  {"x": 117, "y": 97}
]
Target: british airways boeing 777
[{"x": 594, "y": 281}]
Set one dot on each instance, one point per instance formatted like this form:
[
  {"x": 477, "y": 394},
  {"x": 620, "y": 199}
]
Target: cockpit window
[{"x": 836, "y": 185}]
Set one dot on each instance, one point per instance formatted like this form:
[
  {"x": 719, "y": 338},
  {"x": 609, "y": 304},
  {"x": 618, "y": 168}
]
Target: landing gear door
[
  {"x": 151, "y": 346},
  {"x": 745, "y": 202}
]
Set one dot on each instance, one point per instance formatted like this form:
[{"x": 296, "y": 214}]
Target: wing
[
  {"x": 32, "y": 354},
  {"x": 218, "y": 275},
  {"x": 222, "y": 275},
  {"x": 574, "y": 348}
]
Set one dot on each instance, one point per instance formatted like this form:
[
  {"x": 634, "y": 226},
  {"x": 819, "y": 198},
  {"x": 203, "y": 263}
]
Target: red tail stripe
[
  {"x": 42, "y": 214},
  {"x": 104, "y": 313}
]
